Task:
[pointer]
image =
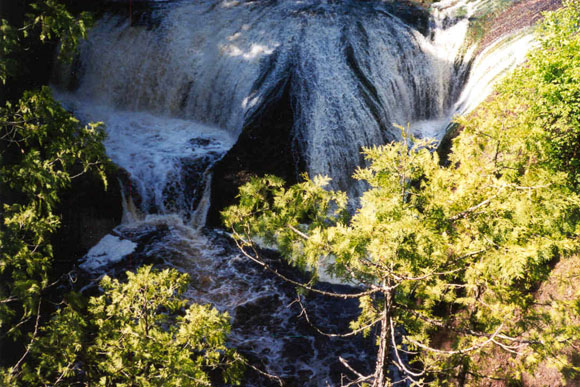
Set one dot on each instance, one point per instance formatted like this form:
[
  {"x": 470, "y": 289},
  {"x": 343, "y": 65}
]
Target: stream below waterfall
[{"x": 177, "y": 87}]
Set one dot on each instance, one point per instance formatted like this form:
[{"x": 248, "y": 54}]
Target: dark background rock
[
  {"x": 264, "y": 147},
  {"x": 414, "y": 13},
  {"x": 88, "y": 213}
]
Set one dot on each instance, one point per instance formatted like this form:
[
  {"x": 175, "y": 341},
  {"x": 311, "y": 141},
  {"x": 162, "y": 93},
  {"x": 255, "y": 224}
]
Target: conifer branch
[
  {"x": 459, "y": 351},
  {"x": 361, "y": 377},
  {"x": 463, "y": 214},
  {"x": 400, "y": 362},
  {"x": 470, "y": 332}
]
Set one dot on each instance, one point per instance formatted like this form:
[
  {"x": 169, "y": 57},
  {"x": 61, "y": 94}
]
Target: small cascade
[
  {"x": 490, "y": 65},
  {"x": 473, "y": 74},
  {"x": 168, "y": 160}
]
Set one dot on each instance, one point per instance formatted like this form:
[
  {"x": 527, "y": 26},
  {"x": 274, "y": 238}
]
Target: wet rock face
[
  {"x": 264, "y": 147},
  {"x": 519, "y": 15},
  {"x": 414, "y": 13},
  {"x": 185, "y": 190}
]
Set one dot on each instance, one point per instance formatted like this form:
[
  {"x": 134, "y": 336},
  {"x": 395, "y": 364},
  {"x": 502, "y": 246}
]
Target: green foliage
[
  {"x": 283, "y": 209},
  {"x": 544, "y": 95},
  {"x": 138, "y": 333},
  {"x": 454, "y": 252},
  {"x": 48, "y": 20},
  {"x": 44, "y": 148},
  {"x": 53, "y": 21},
  {"x": 8, "y": 44},
  {"x": 55, "y": 354},
  {"x": 476, "y": 238}
]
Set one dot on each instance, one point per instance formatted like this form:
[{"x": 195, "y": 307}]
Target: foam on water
[{"x": 108, "y": 251}]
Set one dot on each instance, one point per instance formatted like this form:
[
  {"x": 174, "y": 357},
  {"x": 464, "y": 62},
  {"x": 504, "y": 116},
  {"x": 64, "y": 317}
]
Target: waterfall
[
  {"x": 353, "y": 69},
  {"x": 168, "y": 159},
  {"x": 490, "y": 65},
  {"x": 176, "y": 90}
]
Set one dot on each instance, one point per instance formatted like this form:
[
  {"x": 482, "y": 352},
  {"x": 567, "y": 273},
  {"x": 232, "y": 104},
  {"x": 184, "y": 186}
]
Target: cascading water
[
  {"x": 167, "y": 159},
  {"x": 352, "y": 67},
  {"x": 489, "y": 66},
  {"x": 177, "y": 91}
]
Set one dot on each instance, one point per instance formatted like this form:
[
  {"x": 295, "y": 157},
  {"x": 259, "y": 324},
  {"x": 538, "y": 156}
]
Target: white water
[
  {"x": 352, "y": 68},
  {"x": 168, "y": 159},
  {"x": 481, "y": 72},
  {"x": 491, "y": 65},
  {"x": 108, "y": 251}
]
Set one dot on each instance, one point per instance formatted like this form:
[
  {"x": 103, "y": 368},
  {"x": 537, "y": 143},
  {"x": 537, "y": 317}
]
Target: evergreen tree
[{"x": 453, "y": 252}]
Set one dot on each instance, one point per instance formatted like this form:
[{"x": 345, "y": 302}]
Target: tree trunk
[{"x": 383, "y": 354}]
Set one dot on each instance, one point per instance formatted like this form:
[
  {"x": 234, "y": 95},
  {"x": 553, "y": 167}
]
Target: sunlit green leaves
[
  {"x": 8, "y": 43},
  {"x": 138, "y": 332},
  {"x": 48, "y": 20},
  {"x": 543, "y": 97},
  {"x": 43, "y": 149},
  {"x": 56, "y": 22}
]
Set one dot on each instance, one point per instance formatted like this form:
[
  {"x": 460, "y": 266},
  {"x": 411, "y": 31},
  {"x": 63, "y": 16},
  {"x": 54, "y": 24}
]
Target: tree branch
[
  {"x": 361, "y": 378},
  {"x": 400, "y": 362},
  {"x": 352, "y": 333},
  {"x": 474, "y": 208},
  {"x": 441, "y": 324},
  {"x": 459, "y": 351},
  {"x": 296, "y": 283}
]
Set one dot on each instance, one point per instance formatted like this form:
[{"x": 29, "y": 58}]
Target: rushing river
[{"x": 177, "y": 86}]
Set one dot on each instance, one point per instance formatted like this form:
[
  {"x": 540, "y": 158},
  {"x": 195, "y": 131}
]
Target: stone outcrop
[
  {"x": 264, "y": 147},
  {"x": 521, "y": 14}
]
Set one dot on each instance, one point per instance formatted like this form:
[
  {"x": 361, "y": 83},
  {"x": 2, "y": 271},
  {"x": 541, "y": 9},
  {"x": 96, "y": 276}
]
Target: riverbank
[{"x": 519, "y": 15}]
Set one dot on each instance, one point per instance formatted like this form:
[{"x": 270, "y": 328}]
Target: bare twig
[
  {"x": 304, "y": 313},
  {"x": 400, "y": 362},
  {"x": 85, "y": 169},
  {"x": 57, "y": 381},
  {"x": 263, "y": 373},
  {"x": 29, "y": 346},
  {"x": 296, "y": 283},
  {"x": 361, "y": 378}
]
